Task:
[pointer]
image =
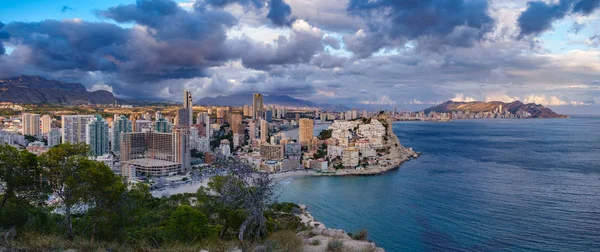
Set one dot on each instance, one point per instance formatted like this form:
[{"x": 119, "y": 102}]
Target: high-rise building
[
  {"x": 73, "y": 128},
  {"x": 269, "y": 116},
  {"x": 162, "y": 125},
  {"x": 264, "y": 130},
  {"x": 271, "y": 151},
  {"x": 246, "y": 111},
  {"x": 142, "y": 126},
  {"x": 158, "y": 115},
  {"x": 46, "y": 124},
  {"x": 305, "y": 132},
  {"x": 236, "y": 123},
  {"x": 121, "y": 125},
  {"x": 350, "y": 157},
  {"x": 183, "y": 117},
  {"x": 31, "y": 124},
  {"x": 252, "y": 130},
  {"x": 201, "y": 119},
  {"x": 147, "y": 116},
  {"x": 96, "y": 132},
  {"x": 257, "y": 105},
  {"x": 53, "y": 137},
  {"x": 188, "y": 104},
  {"x": 181, "y": 147},
  {"x": 207, "y": 133}
]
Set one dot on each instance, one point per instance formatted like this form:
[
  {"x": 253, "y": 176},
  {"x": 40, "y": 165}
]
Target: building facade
[
  {"x": 31, "y": 124},
  {"x": 73, "y": 128},
  {"x": 96, "y": 132}
]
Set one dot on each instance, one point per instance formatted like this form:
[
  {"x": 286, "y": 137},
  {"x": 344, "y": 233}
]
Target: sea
[{"x": 480, "y": 185}]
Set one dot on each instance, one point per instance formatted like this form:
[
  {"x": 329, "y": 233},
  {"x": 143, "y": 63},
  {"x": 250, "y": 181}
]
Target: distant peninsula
[
  {"x": 39, "y": 90},
  {"x": 536, "y": 110}
]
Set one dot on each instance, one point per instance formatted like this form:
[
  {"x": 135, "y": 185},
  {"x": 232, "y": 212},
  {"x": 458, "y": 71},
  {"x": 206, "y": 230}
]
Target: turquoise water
[{"x": 487, "y": 185}]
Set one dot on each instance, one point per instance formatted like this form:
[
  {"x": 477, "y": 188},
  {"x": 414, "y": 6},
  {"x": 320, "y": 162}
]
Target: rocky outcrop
[
  {"x": 398, "y": 154},
  {"x": 39, "y": 90},
  {"x": 317, "y": 237}
]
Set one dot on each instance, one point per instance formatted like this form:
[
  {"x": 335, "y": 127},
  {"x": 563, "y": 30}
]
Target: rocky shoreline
[{"x": 317, "y": 237}]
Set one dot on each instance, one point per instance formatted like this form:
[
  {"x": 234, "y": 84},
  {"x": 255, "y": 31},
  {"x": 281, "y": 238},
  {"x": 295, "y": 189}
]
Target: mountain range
[
  {"x": 239, "y": 100},
  {"x": 38, "y": 90},
  {"x": 536, "y": 110}
]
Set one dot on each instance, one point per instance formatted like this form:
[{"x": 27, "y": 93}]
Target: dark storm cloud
[
  {"x": 539, "y": 16},
  {"x": 171, "y": 44},
  {"x": 280, "y": 13},
  {"x": 3, "y": 36},
  {"x": 57, "y": 45},
  {"x": 454, "y": 23}
]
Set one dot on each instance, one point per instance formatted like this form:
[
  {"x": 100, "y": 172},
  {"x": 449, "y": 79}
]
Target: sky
[{"x": 391, "y": 53}]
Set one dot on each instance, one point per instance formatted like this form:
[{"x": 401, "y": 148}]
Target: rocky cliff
[{"x": 38, "y": 90}]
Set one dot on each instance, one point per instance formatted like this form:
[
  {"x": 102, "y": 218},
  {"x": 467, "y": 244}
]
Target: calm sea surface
[{"x": 486, "y": 185}]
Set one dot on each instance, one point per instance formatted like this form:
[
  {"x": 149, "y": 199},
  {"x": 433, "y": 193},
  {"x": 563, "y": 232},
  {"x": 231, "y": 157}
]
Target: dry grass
[{"x": 284, "y": 241}]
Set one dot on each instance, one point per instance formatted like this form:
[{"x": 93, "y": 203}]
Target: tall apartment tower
[
  {"x": 31, "y": 124},
  {"x": 257, "y": 105},
  {"x": 73, "y": 128},
  {"x": 305, "y": 132},
  {"x": 96, "y": 132},
  {"x": 120, "y": 125},
  {"x": 188, "y": 104},
  {"x": 181, "y": 147},
  {"x": 46, "y": 125},
  {"x": 264, "y": 130},
  {"x": 183, "y": 117}
]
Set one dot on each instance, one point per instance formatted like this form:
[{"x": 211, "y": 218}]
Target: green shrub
[
  {"x": 362, "y": 235},
  {"x": 335, "y": 245},
  {"x": 315, "y": 242}
]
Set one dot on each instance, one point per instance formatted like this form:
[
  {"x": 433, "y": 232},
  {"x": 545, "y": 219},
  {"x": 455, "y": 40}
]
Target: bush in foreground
[{"x": 335, "y": 245}]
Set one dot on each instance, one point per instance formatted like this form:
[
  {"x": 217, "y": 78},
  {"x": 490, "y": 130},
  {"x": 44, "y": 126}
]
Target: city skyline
[{"x": 350, "y": 54}]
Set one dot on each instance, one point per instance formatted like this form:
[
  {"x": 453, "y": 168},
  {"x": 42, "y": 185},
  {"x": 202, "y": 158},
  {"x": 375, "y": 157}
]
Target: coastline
[{"x": 318, "y": 236}]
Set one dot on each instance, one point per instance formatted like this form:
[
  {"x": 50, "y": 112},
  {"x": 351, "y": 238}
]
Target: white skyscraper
[
  {"x": 31, "y": 124},
  {"x": 264, "y": 130},
  {"x": 53, "y": 137},
  {"x": 46, "y": 124},
  {"x": 73, "y": 128}
]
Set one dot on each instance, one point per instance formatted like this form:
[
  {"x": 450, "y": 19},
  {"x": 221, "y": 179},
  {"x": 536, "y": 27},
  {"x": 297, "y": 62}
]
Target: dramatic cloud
[
  {"x": 3, "y": 36},
  {"x": 539, "y": 16},
  {"x": 303, "y": 42},
  {"x": 280, "y": 13},
  {"x": 435, "y": 23},
  {"x": 549, "y": 100}
]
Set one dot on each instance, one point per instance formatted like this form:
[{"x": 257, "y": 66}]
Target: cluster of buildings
[
  {"x": 269, "y": 137},
  {"x": 497, "y": 113}
]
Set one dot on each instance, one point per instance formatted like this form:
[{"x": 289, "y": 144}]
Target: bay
[{"x": 481, "y": 185}]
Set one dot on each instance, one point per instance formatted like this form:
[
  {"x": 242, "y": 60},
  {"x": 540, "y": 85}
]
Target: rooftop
[{"x": 149, "y": 162}]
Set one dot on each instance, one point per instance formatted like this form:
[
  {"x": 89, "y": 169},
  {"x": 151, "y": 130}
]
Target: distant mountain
[
  {"x": 537, "y": 111},
  {"x": 37, "y": 90},
  {"x": 239, "y": 100}
]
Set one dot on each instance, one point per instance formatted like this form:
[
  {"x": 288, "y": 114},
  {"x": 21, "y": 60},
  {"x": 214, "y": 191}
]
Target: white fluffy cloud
[
  {"x": 500, "y": 96},
  {"x": 550, "y": 100},
  {"x": 460, "y": 97},
  {"x": 383, "y": 100}
]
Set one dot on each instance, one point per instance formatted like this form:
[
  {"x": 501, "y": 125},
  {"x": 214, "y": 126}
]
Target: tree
[
  {"x": 187, "y": 224},
  {"x": 102, "y": 190},
  {"x": 325, "y": 134},
  {"x": 20, "y": 175},
  {"x": 249, "y": 190},
  {"x": 63, "y": 168}
]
